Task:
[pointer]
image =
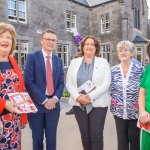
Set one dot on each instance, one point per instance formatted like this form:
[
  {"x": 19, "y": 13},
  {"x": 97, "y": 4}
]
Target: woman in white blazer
[{"x": 90, "y": 108}]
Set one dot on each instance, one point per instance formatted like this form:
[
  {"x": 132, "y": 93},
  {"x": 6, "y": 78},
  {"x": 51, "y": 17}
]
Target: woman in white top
[{"x": 90, "y": 108}]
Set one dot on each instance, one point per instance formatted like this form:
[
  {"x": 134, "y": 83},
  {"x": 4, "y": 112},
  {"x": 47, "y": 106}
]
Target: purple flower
[{"x": 78, "y": 38}]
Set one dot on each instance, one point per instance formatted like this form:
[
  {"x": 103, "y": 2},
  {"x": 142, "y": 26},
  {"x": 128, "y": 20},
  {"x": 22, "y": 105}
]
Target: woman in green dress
[{"x": 144, "y": 104}]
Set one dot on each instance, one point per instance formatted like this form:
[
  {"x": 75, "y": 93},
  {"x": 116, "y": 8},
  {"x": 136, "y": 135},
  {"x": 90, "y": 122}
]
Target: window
[
  {"x": 21, "y": 52},
  {"x": 139, "y": 54},
  {"x": 105, "y": 52},
  {"x": 137, "y": 18},
  {"x": 70, "y": 20},
  {"x": 17, "y": 10},
  {"x": 105, "y": 23},
  {"x": 63, "y": 53},
  {"x": 136, "y": 13}
]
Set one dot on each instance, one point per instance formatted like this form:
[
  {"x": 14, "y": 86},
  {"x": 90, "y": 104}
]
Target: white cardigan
[{"x": 100, "y": 96}]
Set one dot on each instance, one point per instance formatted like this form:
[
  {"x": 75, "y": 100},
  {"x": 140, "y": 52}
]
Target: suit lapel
[
  {"x": 42, "y": 63},
  {"x": 96, "y": 67}
]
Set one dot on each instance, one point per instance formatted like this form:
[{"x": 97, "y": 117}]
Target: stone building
[
  {"x": 148, "y": 29},
  {"x": 109, "y": 20}
]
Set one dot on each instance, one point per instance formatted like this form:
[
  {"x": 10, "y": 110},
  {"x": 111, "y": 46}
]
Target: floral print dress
[{"x": 11, "y": 137}]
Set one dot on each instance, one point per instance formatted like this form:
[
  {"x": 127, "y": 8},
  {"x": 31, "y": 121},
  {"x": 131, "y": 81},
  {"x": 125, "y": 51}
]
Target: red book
[
  {"x": 25, "y": 102},
  {"x": 144, "y": 126}
]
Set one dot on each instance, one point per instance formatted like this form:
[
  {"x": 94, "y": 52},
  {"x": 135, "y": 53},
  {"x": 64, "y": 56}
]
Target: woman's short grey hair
[{"x": 125, "y": 45}]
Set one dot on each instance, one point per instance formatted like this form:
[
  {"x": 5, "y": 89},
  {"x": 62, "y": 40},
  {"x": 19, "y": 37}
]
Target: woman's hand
[
  {"x": 11, "y": 107},
  {"x": 23, "y": 125},
  {"x": 144, "y": 117},
  {"x": 83, "y": 99}
]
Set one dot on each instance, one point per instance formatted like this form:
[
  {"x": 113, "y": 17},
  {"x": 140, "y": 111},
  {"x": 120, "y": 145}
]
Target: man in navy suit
[{"x": 36, "y": 83}]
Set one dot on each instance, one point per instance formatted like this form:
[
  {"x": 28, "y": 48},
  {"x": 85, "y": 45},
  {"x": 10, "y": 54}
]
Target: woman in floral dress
[{"x": 11, "y": 81}]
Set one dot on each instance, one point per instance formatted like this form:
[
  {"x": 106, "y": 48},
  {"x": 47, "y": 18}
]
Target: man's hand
[
  {"x": 11, "y": 107},
  {"x": 50, "y": 103}
]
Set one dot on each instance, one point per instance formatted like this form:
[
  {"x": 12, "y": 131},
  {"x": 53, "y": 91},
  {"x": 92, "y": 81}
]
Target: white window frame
[
  {"x": 21, "y": 51},
  {"x": 71, "y": 19},
  {"x": 19, "y": 8},
  {"x": 12, "y": 8},
  {"x": 105, "y": 23},
  {"x": 106, "y": 51},
  {"x": 22, "y": 10},
  {"x": 139, "y": 52},
  {"x": 62, "y": 52}
]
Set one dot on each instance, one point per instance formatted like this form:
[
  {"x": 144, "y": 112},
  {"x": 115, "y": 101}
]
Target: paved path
[{"x": 68, "y": 136}]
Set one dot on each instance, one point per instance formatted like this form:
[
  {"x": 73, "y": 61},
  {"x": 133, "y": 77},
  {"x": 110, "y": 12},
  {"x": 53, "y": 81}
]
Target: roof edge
[{"x": 90, "y": 6}]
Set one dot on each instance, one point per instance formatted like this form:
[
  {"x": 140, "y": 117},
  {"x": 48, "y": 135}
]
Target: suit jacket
[
  {"x": 101, "y": 78},
  {"x": 35, "y": 77}
]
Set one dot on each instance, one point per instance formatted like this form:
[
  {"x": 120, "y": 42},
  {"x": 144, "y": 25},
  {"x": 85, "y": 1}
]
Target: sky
[{"x": 148, "y": 2}]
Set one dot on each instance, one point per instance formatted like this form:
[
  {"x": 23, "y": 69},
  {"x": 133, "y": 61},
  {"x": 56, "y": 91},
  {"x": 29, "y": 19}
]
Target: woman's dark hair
[
  {"x": 148, "y": 49},
  {"x": 97, "y": 45}
]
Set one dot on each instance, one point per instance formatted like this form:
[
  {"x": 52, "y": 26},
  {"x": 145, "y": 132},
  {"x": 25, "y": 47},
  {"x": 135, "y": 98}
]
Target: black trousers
[
  {"x": 91, "y": 127},
  {"x": 128, "y": 134}
]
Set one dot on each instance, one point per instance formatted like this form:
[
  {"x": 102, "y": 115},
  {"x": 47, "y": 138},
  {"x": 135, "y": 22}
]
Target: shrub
[{"x": 65, "y": 94}]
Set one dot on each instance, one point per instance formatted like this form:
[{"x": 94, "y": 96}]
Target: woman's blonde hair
[{"x": 6, "y": 27}]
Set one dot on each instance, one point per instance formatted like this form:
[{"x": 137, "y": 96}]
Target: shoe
[{"x": 70, "y": 112}]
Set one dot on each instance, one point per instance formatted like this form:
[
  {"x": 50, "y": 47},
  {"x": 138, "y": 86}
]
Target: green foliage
[{"x": 65, "y": 94}]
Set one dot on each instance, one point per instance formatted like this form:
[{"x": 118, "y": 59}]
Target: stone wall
[
  {"x": 52, "y": 14},
  {"x": 115, "y": 34}
]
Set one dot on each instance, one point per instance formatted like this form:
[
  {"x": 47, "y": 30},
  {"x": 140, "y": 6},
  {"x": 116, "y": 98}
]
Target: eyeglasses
[
  {"x": 50, "y": 40},
  {"x": 5, "y": 37}
]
